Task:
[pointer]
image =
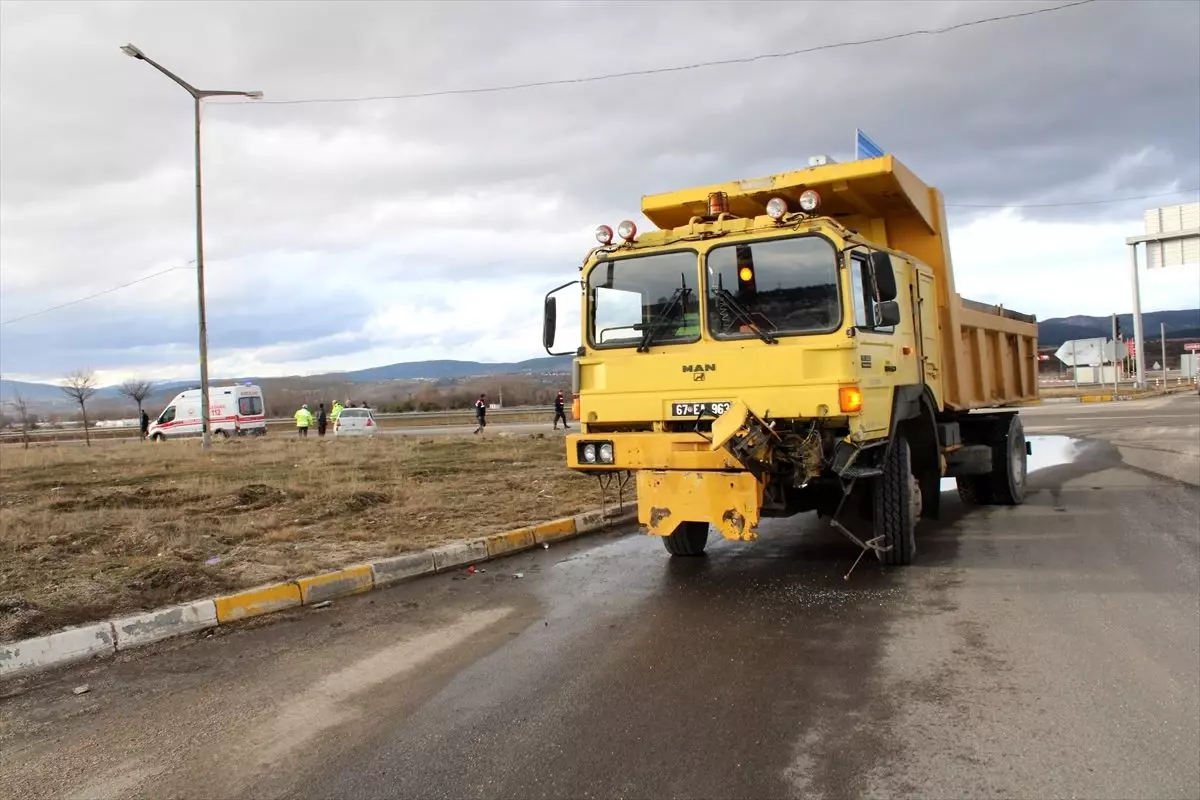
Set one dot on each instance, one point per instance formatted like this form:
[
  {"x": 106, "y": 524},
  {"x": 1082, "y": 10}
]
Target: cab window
[
  {"x": 644, "y": 299},
  {"x": 250, "y": 406},
  {"x": 168, "y": 415},
  {"x": 785, "y": 287}
]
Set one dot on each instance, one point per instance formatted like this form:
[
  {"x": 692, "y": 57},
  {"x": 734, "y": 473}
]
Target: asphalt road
[{"x": 1050, "y": 650}]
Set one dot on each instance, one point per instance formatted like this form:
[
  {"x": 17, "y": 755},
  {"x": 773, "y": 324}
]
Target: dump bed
[{"x": 989, "y": 353}]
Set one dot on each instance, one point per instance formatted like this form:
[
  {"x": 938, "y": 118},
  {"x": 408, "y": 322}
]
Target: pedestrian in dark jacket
[
  {"x": 560, "y": 411},
  {"x": 322, "y": 420},
  {"x": 145, "y": 423},
  {"x": 481, "y": 412}
]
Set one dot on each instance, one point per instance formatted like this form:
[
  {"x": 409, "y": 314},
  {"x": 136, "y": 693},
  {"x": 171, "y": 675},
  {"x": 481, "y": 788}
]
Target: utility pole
[
  {"x": 1162, "y": 328},
  {"x": 1116, "y": 372},
  {"x": 197, "y": 96},
  {"x": 1139, "y": 357},
  {"x": 1074, "y": 366}
]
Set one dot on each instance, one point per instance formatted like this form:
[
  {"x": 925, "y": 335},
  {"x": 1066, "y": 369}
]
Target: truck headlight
[
  {"x": 606, "y": 453},
  {"x": 589, "y": 453}
]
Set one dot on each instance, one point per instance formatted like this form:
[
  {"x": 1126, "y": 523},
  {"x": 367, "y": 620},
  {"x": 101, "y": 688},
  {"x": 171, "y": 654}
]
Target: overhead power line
[
  {"x": 93, "y": 296},
  {"x": 1076, "y": 203},
  {"x": 664, "y": 70}
]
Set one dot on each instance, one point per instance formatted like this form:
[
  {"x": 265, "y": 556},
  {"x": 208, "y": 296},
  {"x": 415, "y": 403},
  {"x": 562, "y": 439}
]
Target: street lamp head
[
  {"x": 254, "y": 95},
  {"x": 132, "y": 51}
]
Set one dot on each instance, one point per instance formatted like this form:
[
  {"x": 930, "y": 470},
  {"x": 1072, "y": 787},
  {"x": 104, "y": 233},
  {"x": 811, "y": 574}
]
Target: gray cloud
[{"x": 1096, "y": 101}]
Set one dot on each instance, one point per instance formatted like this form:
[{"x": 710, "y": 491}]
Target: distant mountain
[
  {"x": 44, "y": 394},
  {"x": 1180, "y": 325},
  {"x": 433, "y": 370}
]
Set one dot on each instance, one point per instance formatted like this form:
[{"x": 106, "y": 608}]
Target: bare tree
[
  {"x": 20, "y": 407},
  {"x": 137, "y": 390},
  {"x": 80, "y": 385}
]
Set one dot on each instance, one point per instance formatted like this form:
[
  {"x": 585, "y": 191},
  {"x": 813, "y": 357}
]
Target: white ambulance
[{"x": 233, "y": 411}]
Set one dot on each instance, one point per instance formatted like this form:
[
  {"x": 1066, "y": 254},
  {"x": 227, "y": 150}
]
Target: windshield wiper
[
  {"x": 745, "y": 317},
  {"x": 659, "y": 322}
]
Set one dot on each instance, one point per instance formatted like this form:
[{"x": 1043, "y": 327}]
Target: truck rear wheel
[
  {"x": 689, "y": 539},
  {"x": 896, "y": 506},
  {"x": 1005, "y": 484}
]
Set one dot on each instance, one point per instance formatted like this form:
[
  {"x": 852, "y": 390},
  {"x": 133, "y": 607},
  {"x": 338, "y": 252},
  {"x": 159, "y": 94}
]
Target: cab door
[{"x": 925, "y": 312}]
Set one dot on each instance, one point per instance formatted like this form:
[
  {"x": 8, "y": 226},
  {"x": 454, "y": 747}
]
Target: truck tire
[
  {"x": 975, "y": 490},
  {"x": 1005, "y": 484},
  {"x": 896, "y": 506},
  {"x": 1009, "y": 464},
  {"x": 689, "y": 539}
]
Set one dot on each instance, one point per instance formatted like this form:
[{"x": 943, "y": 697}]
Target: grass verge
[{"x": 89, "y": 533}]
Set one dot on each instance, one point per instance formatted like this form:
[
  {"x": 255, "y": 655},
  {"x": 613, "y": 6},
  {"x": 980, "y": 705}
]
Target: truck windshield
[
  {"x": 777, "y": 287},
  {"x": 645, "y": 297}
]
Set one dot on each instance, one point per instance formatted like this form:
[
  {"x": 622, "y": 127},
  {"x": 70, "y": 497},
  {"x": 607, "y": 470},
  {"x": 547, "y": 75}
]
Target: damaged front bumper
[{"x": 730, "y": 501}]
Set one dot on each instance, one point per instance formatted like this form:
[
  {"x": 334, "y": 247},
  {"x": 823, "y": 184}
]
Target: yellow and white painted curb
[{"x": 99, "y": 639}]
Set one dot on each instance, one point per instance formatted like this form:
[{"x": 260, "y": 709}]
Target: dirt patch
[
  {"x": 128, "y": 526},
  {"x": 257, "y": 495},
  {"x": 144, "y": 497}
]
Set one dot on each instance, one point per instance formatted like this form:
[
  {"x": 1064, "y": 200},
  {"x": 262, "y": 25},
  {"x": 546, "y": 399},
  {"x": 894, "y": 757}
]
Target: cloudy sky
[{"x": 342, "y": 235}]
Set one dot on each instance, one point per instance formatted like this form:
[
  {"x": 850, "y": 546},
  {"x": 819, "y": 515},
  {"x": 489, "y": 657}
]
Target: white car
[{"x": 355, "y": 422}]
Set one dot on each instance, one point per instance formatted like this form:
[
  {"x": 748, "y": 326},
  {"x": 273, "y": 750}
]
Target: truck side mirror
[
  {"x": 549, "y": 322},
  {"x": 885, "y": 278},
  {"x": 887, "y": 314}
]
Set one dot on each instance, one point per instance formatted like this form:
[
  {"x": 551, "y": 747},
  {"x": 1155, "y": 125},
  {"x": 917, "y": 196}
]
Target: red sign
[
  {"x": 1192, "y": 347},
  {"x": 1131, "y": 346}
]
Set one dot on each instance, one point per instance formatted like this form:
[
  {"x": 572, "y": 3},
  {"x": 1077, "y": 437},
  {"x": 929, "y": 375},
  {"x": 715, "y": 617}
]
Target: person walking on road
[
  {"x": 322, "y": 420},
  {"x": 560, "y": 411},
  {"x": 481, "y": 412},
  {"x": 145, "y": 423},
  {"x": 304, "y": 419},
  {"x": 335, "y": 412}
]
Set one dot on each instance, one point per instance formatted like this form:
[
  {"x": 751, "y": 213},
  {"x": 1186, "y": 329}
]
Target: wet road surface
[{"x": 1050, "y": 650}]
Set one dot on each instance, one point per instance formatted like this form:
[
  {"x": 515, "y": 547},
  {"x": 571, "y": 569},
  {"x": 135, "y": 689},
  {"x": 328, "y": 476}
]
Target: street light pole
[
  {"x": 197, "y": 96},
  {"x": 1139, "y": 355}
]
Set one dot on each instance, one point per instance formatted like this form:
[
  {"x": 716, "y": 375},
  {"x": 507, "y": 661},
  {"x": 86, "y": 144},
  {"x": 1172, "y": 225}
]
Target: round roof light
[
  {"x": 604, "y": 234},
  {"x": 627, "y": 230},
  {"x": 776, "y": 207},
  {"x": 810, "y": 200}
]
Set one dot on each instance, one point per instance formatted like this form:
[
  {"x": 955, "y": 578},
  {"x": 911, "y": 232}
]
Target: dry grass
[{"x": 85, "y": 534}]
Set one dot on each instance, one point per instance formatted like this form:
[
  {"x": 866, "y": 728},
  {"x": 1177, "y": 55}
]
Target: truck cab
[{"x": 794, "y": 343}]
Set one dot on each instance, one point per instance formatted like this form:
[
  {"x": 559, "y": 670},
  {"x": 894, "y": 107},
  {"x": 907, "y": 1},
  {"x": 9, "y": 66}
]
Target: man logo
[
  {"x": 700, "y": 368},
  {"x": 698, "y": 376}
]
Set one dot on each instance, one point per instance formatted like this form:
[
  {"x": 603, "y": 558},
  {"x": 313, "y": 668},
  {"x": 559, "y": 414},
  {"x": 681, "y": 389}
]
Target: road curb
[
  {"x": 99, "y": 639},
  {"x": 61, "y": 647}
]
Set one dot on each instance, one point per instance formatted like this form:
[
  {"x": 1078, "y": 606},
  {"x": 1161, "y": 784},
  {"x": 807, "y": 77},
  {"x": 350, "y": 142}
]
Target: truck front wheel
[
  {"x": 896, "y": 506},
  {"x": 689, "y": 539}
]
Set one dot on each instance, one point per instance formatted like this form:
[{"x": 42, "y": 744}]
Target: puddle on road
[{"x": 1048, "y": 451}]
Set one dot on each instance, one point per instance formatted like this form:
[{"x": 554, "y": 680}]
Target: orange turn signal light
[
  {"x": 575, "y": 408},
  {"x": 850, "y": 399}
]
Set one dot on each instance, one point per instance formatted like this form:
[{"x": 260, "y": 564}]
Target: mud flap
[{"x": 729, "y": 501}]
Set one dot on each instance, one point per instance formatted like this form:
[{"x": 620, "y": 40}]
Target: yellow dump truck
[{"x": 795, "y": 343}]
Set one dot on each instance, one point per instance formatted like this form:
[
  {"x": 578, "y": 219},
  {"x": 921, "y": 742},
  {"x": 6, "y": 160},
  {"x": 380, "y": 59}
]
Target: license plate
[{"x": 713, "y": 409}]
